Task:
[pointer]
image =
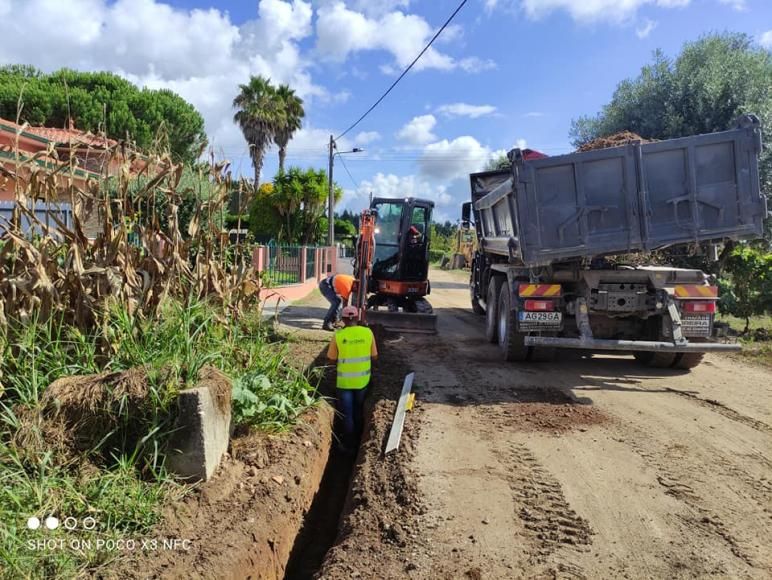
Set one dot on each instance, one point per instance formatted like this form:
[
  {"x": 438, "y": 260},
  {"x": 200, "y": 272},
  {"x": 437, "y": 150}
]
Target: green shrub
[
  {"x": 436, "y": 255},
  {"x": 747, "y": 291}
]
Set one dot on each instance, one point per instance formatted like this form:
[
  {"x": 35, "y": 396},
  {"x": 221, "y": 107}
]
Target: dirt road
[{"x": 581, "y": 468}]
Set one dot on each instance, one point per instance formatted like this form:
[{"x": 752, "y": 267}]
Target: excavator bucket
[{"x": 404, "y": 322}]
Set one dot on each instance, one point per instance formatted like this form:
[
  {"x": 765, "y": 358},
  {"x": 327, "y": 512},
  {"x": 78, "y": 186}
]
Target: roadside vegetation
[{"x": 97, "y": 339}]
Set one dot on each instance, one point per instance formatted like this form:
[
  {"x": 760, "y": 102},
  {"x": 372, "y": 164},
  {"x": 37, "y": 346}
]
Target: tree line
[{"x": 103, "y": 103}]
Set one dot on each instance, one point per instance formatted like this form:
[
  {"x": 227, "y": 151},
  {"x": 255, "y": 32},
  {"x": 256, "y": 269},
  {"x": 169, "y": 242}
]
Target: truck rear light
[
  {"x": 699, "y": 307},
  {"x": 539, "y": 305}
]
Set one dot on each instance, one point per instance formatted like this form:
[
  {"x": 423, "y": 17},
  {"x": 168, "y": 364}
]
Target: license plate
[
  {"x": 699, "y": 323},
  {"x": 702, "y": 321},
  {"x": 540, "y": 317}
]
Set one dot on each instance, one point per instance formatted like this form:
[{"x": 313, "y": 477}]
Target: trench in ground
[
  {"x": 319, "y": 531},
  {"x": 320, "y": 524}
]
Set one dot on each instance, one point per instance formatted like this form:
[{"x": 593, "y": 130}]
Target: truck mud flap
[
  {"x": 407, "y": 322},
  {"x": 629, "y": 345}
]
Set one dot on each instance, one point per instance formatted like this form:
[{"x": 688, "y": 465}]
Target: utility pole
[{"x": 331, "y": 199}]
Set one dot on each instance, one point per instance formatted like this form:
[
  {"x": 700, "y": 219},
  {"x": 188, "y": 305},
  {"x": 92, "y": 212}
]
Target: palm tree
[
  {"x": 290, "y": 122},
  {"x": 259, "y": 114}
]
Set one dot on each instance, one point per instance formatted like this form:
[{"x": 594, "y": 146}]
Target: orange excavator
[{"x": 391, "y": 266}]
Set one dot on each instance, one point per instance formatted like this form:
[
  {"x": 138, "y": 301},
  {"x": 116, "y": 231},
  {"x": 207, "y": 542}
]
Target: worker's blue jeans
[
  {"x": 351, "y": 404},
  {"x": 325, "y": 287}
]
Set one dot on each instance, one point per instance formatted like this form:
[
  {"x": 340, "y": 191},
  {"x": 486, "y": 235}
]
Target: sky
[{"x": 504, "y": 74}]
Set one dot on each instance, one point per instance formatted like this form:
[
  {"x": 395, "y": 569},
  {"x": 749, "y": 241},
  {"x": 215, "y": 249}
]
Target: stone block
[{"x": 202, "y": 427}]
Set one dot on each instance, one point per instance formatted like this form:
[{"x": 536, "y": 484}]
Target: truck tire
[
  {"x": 657, "y": 360},
  {"x": 511, "y": 342},
  {"x": 476, "y": 308},
  {"x": 688, "y": 360},
  {"x": 491, "y": 310}
]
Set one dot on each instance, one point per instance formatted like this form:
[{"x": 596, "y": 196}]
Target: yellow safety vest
[{"x": 354, "y": 344}]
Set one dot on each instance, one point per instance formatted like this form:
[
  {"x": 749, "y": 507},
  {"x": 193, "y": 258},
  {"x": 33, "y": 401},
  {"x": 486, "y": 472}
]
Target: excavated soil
[
  {"x": 243, "y": 522},
  {"x": 615, "y": 140}
]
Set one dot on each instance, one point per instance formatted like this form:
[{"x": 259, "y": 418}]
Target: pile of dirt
[
  {"x": 243, "y": 522},
  {"x": 77, "y": 413},
  {"x": 550, "y": 417},
  {"x": 615, "y": 140},
  {"x": 111, "y": 411}
]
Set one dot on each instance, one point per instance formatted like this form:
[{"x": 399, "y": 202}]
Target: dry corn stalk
[{"x": 133, "y": 261}]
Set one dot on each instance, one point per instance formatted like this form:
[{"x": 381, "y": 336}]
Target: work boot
[{"x": 328, "y": 326}]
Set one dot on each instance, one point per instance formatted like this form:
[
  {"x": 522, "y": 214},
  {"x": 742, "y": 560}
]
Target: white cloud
[
  {"x": 472, "y": 64},
  {"x": 466, "y": 110},
  {"x": 645, "y": 29},
  {"x": 738, "y": 5},
  {"x": 342, "y": 31},
  {"x": 312, "y": 142},
  {"x": 366, "y": 137},
  {"x": 199, "y": 54},
  {"x": 594, "y": 10},
  {"x": 449, "y": 160},
  {"x": 533, "y": 114},
  {"x": 765, "y": 40},
  {"x": 419, "y": 130},
  {"x": 390, "y": 185},
  {"x": 378, "y": 7}
]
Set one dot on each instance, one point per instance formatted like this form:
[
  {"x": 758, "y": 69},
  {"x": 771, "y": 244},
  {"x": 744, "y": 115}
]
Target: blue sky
[{"x": 507, "y": 73}]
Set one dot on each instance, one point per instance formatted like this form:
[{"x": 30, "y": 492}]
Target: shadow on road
[
  {"x": 449, "y": 286},
  {"x": 303, "y": 317}
]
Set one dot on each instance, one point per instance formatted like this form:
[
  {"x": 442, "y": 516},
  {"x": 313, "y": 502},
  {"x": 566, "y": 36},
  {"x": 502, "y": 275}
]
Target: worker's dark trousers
[
  {"x": 325, "y": 287},
  {"x": 351, "y": 407}
]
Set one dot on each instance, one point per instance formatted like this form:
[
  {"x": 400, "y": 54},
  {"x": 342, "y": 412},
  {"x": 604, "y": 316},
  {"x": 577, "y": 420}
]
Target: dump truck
[{"x": 552, "y": 268}]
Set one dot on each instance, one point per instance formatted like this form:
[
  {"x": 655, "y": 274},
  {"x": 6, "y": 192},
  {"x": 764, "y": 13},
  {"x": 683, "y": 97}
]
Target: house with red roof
[{"x": 77, "y": 157}]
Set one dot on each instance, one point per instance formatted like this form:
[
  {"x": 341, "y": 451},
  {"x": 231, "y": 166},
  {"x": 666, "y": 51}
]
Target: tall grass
[
  {"x": 146, "y": 293},
  {"x": 123, "y": 488}
]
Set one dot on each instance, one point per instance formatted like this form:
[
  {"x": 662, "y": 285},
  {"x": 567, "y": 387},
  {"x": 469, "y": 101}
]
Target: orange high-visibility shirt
[{"x": 343, "y": 284}]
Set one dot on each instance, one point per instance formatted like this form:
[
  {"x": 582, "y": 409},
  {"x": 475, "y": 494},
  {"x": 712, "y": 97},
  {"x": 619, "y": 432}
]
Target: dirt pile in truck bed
[{"x": 615, "y": 140}]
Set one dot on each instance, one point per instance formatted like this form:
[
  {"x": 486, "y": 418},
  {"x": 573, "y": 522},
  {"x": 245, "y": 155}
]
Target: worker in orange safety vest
[{"x": 336, "y": 289}]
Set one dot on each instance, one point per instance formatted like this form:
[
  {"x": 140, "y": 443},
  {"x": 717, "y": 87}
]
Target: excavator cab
[
  {"x": 397, "y": 273},
  {"x": 402, "y": 236}
]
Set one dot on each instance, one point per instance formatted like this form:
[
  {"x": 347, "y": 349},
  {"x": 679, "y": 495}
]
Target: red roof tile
[
  {"x": 64, "y": 136},
  {"x": 71, "y": 136}
]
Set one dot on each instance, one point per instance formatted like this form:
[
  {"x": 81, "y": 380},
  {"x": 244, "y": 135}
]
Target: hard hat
[{"x": 350, "y": 312}]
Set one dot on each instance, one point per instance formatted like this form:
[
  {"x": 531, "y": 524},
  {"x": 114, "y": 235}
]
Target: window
[{"x": 388, "y": 223}]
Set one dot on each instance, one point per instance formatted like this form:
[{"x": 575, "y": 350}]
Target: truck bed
[{"x": 623, "y": 199}]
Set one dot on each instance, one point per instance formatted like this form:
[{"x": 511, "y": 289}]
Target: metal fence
[
  {"x": 310, "y": 263},
  {"x": 283, "y": 265}
]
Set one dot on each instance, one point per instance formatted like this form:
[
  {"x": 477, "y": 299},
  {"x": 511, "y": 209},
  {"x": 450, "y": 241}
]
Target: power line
[
  {"x": 399, "y": 78},
  {"x": 353, "y": 181}
]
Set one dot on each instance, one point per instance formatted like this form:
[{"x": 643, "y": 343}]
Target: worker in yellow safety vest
[{"x": 353, "y": 348}]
